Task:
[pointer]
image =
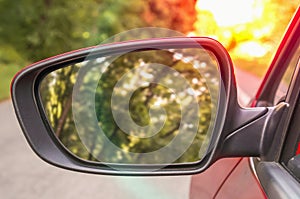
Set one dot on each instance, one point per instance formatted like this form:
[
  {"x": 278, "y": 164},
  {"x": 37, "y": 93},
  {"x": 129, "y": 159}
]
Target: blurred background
[{"x": 33, "y": 30}]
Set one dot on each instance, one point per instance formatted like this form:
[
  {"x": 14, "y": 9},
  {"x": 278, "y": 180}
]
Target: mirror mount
[{"x": 256, "y": 137}]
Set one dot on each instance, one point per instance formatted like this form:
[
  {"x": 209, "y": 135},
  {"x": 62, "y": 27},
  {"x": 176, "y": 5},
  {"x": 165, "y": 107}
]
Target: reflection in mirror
[{"x": 144, "y": 107}]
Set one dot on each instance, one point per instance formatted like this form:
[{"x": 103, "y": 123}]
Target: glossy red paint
[
  {"x": 227, "y": 178},
  {"x": 298, "y": 149},
  {"x": 206, "y": 184},
  {"x": 241, "y": 184}
]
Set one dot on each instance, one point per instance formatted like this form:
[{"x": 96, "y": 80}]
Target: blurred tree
[
  {"x": 58, "y": 88},
  {"x": 39, "y": 29},
  {"x": 115, "y": 16},
  {"x": 173, "y": 14}
]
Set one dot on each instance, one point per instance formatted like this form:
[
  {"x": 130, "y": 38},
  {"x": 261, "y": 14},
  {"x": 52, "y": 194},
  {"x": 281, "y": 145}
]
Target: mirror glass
[{"x": 143, "y": 107}]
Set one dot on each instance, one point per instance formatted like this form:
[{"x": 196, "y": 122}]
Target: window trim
[
  {"x": 293, "y": 97},
  {"x": 276, "y": 181},
  {"x": 274, "y": 178}
]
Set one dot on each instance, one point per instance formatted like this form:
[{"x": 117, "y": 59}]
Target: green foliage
[
  {"x": 34, "y": 30},
  {"x": 7, "y": 72},
  {"x": 39, "y": 29}
]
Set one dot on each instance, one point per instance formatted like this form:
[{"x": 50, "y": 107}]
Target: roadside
[{"x": 23, "y": 175}]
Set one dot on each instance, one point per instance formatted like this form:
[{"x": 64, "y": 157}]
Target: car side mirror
[{"x": 164, "y": 106}]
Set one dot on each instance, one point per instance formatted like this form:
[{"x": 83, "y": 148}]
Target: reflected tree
[{"x": 196, "y": 66}]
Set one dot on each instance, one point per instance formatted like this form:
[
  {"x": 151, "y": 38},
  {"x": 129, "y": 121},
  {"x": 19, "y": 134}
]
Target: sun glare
[
  {"x": 232, "y": 12},
  {"x": 240, "y": 25}
]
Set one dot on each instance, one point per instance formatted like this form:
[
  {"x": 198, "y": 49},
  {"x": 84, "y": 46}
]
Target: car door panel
[
  {"x": 242, "y": 183},
  {"x": 207, "y": 184}
]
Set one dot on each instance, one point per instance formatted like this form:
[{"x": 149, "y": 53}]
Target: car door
[
  {"x": 276, "y": 172},
  {"x": 275, "y": 176}
]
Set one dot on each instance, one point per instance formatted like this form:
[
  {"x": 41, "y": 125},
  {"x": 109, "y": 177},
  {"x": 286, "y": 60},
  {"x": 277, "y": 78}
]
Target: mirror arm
[{"x": 254, "y": 138}]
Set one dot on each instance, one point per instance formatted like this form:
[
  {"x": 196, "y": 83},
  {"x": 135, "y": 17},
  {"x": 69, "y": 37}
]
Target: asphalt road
[{"x": 24, "y": 176}]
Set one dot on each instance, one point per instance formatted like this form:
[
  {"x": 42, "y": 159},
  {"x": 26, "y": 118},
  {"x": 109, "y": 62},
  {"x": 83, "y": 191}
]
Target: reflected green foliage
[
  {"x": 78, "y": 95},
  {"x": 56, "y": 92}
]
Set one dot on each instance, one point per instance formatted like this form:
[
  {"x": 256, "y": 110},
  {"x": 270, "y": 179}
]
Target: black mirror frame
[{"x": 240, "y": 132}]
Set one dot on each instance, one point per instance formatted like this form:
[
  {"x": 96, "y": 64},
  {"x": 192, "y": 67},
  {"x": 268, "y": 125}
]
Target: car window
[
  {"x": 291, "y": 152},
  {"x": 287, "y": 77}
]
